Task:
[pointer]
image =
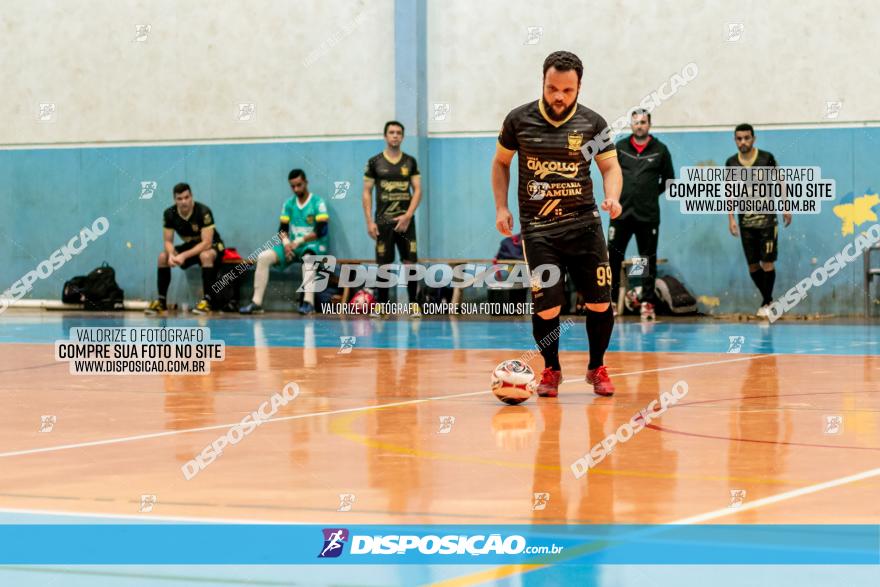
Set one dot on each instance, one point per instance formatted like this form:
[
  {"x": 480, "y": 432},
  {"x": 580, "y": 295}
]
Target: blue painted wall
[{"x": 48, "y": 195}]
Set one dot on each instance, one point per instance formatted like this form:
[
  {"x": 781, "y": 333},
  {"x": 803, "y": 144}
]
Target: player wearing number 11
[{"x": 557, "y": 212}]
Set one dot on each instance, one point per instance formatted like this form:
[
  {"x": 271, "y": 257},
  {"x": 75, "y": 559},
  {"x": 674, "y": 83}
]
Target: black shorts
[
  {"x": 759, "y": 244},
  {"x": 389, "y": 239},
  {"x": 194, "y": 260},
  {"x": 578, "y": 249}
]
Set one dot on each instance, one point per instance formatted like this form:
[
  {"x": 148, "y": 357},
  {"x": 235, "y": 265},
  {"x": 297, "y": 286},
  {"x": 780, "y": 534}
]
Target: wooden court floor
[{"x": 750, "y": 443}]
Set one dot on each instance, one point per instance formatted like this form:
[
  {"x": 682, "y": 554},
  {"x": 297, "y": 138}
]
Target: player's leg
[
  {"x": 265, "y": 260},
  {"x": 206, "y": 259},
  {"x": 587, "y": 261},
  {"x": 406, "y": 249},
  {"x": 619, "y": 234},
  {"x": 647, "y": 235},
  {"x": 768, "y": 265},
  {"x": 384, "y": 255},
  {"x": 163, "y": 281},
  {"x": 752, "y": 243},
  {"x": 310, "y": 274},
  {"x": 547, "y": 300}
]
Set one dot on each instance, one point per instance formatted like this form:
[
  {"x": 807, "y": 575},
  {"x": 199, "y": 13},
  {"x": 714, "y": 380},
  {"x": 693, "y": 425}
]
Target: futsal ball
[{"x": 513, "y": 382}]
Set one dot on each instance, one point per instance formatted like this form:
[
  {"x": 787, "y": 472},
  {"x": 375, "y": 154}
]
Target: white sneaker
[
  {"x": 763, "y": 312},
  {"x": 647, "y": 311}
]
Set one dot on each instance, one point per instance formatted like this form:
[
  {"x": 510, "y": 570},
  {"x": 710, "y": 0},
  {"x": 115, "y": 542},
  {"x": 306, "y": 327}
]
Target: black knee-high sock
[
  {"x": 758, "y": 277},
  {"x": 163, "y": 281},
  {"x": 547, "y": 337},
  {"x": 412, "y": 290},
  {"x": 599, "y": 327},
  {"x": 208, "y": 274},
  {"x": 767, "y": 289}
]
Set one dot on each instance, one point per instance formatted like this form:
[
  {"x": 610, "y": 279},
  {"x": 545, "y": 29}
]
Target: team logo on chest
[
  {"x": 574, "y": 140},
  {"x": 404, "y": 170}
]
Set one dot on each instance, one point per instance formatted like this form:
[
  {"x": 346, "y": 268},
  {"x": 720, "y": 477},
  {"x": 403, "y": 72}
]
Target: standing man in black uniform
[
  {"x": 557, "y": 212},
  {"x": 646, "y": 165},
  {"x": 758, "y": 232},
  {"x": 201, "y": 245},
  {"x": 395, "y": 176}
]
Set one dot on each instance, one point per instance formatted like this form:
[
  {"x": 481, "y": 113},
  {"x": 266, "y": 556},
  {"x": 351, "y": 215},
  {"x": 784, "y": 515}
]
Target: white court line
[{"x": 123, "y": 439}]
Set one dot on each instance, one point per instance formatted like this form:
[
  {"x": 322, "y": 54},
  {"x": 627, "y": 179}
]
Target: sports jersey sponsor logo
[
  {"x": 567, "y": 169},
  {"x": 394, "y": 186},
  {"x": 537, "y": 190}
]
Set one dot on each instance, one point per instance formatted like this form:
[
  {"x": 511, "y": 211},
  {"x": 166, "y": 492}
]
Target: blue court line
[{"x": 683, "y": 337}]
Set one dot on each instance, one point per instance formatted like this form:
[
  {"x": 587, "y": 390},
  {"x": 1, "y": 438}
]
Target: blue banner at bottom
[{"x": 253, "y": 544}]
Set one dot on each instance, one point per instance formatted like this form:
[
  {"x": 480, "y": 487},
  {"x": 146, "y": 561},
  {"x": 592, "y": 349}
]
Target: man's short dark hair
[
  {"x": 294, "y": 173},
  {"x": 564, "y": 61},
  {"x": 181, "y": 187},
  {"x": 744, "y": 127},
  {"x": 641, "y": 112},
  {"x": 393, "y": 123}
]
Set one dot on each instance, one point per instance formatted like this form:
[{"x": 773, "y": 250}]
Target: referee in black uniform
[
  {"x": 557, "y": 212},
  {"x": 758, "y": 232},
  {"x": 646, "y": 165},
  {"x": 395, "y": 175}
]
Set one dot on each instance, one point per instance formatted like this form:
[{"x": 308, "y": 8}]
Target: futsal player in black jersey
[
  {"x": 557, "y": 212},
  {"x": 395, "y": 175},
  {"x": 201, "y": 245},
  {"x": 758, "y": 232}
]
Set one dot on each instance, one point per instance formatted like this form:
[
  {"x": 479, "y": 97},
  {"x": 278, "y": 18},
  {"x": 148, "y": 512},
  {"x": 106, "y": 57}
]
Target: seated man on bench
[{"x": 304, "y": 217}]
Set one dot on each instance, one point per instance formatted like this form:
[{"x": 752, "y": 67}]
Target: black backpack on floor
[
  {"x": 96, "y": 291},
  {"x": 674, "y": 296}
]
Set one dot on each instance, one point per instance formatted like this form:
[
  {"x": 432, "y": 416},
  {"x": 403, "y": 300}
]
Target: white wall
[
  {"x": 312, "y": 68},
  {"x": 792, "y": 58}
]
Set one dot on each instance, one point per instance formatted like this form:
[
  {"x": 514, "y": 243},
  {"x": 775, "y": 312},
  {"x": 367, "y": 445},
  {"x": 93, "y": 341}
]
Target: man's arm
[
  {"x": 168, "y": 243},
  {"x": 204, "y": 244},
  {"x": 612, "y": 183},
  {"x": 500, "y": 186},
  {"x": 372, "y": 229}
]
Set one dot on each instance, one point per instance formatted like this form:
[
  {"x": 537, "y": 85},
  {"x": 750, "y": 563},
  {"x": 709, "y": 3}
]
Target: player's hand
[
  {"x": 732, "y": 227},
  {"x": 504, "y": 221},
  {"x": 613, "y": 208},
  {"x": 288, "y": 250},
  {"x": 174, "y": 261},
  {"x": 402, "y": 223},
  {"x": 786, "y": 219},
  {"x": 373, "y": 230}
]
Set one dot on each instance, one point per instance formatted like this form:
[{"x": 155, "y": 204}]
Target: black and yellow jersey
[
  {"x": 554, "y": 176},
  {"x": 759, "y": 159},
  {"x": 190, "y": 228},
  {"x": 393, "y": 183}
]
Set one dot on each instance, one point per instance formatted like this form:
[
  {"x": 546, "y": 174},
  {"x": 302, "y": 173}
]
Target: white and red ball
[{"x": 513, "y": 382}]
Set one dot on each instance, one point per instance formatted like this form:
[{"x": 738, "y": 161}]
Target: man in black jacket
[{"x": 646, "y": 165}]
